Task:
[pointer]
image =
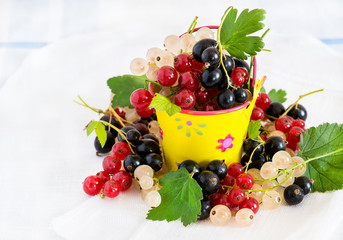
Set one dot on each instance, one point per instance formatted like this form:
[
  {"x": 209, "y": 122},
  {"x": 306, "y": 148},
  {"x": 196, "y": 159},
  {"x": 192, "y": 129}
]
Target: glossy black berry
[
  {"x": 191, "y": 166},
  {"x": 200, "y": 46},
  {"x": 304, "y": 183},
  {"x": 218, "y": 167},
  {"x": 131, "y": 162},
  {"x": 273, "y": 145},
  {"x": 133, "y": 136},
  {"x": 106, "y": 118},
  {"x": 211, "y": 78},
  {"x": 209, "y": 182},
  {"x": 275, "y": 110},
  {"x": 150, "y": 136},
  {"x": 226, "y": 99},
  {"x": 154, "y": 160},
  {"x": 210, "y": 57},
  {"x": 108, "y": 145},
  {"x": 298, "y": 111},
  {"x": 224, "y": 83},
  {"x": 125, "y": 130},
  {"x": 142, "y": 128},
  {"x": 256, "y": 161},
  {"x": 242, "y": 64},
  {"x": 249, "y": 146},
  {"x": 241, "y": 95},
  {"x": 293, "y": 194},
  {"x": 206, "y": 207},
  {"x": 229, "y": 64},
  {"x": 147, "y": 146}
]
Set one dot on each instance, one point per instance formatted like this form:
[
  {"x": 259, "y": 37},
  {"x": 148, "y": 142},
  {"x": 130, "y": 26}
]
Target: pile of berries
[{"x": 200, "y": 78}]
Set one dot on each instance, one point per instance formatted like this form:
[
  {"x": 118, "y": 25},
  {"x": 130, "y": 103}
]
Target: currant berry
[
  {"x": 244, "y": 181},
  {"x": 271, "y": 200},
  {"x": 141, "y": 98},
  {"x": 111, "y": 189},
  {"x": 131, "y": 162},
  {"x": 202, "y": 95},
  {"x": 228, "y": 181},
  {"x": 245, "y": 217},
  {"x": 125, "y": 130},
  {"x": 293, "y": 135},
  {"x": 263, "y": 101},
  {"x": 229, "y": 64},
  {"x": 235, "y": 169},
  {"x": 224, "y": 83},
  {"x": 143, "y": 170},
  {"x": 167, "y": 76},
  {"x": 108, "y": 145},
  {"x": 192, "y": 167},
  {"x": 124, "y": 179},
  {"x": 210, "y": 57},
  {"x": 299, "y": 123},
  {"x": 218, "y": 167},
  {"x": 220, "y": 215},
  {"x": 183, "y": 63},
  {"x": 154, "y": 160},
  {"x": 257, "y": 161},
  {"x": 284, "y": 124},
  {"x": 150, "y": 136},
  {"x": 226, "y": 99},
  {"x": 146, "y": 112},
  {"x": 241, "y": 95},
  {"x": 133, "y": 136},
  {"x": 252, "y": 145},
  {"x": 206, "y": 207},
  {"x": 103, "y": 177},
  {"x": 208, "y": 181},
  {"x": 304, "y": 183},
  {"x": 146, "y": 182},
  {"x": 106, "y": 118},
  {"x": 92, "y": 185},
  {"x": 139, "y": 66},
  {"x": 111, "y": 164},
  {"x": 172, "y": 44},
  {"x": 257, "y": 114},
  {"x": 200, "y": 46},
  {"x": 273, "y": 145},
  {"x": 189, "y": 81},
  {"x": 210, "y": 106},
  {"x": 281, "y": 159},
  {"x": 211, "y": 78},
  {"x": 237, "y": 196},
  {"x": 299, "y": 170},
  {"x": 241, "y": 64},
  {"x": 275, "y": 110},
  {"x": 239, "y": 76},
  {"x": 146, "y": 147},
  {"x": 298, "y": 112},
  {"x": 293, "y": 194},
  {"x": 185, "y": 99},
  {"x": 142, "y": 128},
  {"x": 197, "y": 66},
  {"x": 121, "y": 150},
  {"x": 268, "y": 170},
  {"x": 153, "y": 199}
]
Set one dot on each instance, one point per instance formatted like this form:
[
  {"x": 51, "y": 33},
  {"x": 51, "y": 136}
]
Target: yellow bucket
[{"x": 205, "y": 136}]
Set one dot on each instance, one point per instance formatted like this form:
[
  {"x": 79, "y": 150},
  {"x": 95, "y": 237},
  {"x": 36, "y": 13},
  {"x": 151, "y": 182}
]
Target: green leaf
[
  {"x": 162, "y": 103},
  {"x": 254, "y": 129},
  {"x": 181, "y": 196},
  {"x": 122, "y": 87},
  {"x": 263, "y": 90},
  {"x": 325, "y": 144},
  {"x": 99, "y": 129},
  {"x": 277, "y": 96},
  {"x": 235, "y": 30}
]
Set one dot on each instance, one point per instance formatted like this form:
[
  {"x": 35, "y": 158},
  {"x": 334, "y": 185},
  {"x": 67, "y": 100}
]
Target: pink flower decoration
[
  {"x": 225, "y": 143},
  {"x": 161, "y": 133}
]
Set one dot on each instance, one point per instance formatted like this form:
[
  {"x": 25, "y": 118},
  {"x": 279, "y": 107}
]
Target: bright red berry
[
  {"x": 141, "y": 98},
  {"x": 237, "y": 196},
  {"x": 189, "y": 81},
  {"x": 92, "y": 185},
  {"x": 210, "y": 106},
  {"x": 202, "y": 95},
  {"x": 293, "y": 135},
  {"x": 145, "y": 113},
  {"x": 121, "y": 150},
  {"x": 257, "y": 114},
  {"x": 196, "y": 65},
  {"x": 124, "y": 178},
  {"x": 250, "y": 203},
  {"x": 167, "y": 76},
  {"x": 239, "y": 76},
  {"x": 111, "y": 189},
  {"x": 293, "y": 146},
  {"x": 111, "y": 164},
  {"x": 263, "y": 101},
  {"x": 185, "y": 99},
  {"x": 284, "y": 124},
  {"x": 103, "y": 176},
  {"x": 183, "y": 63},
  {"x": 245, "y": 181},
  {"x": 228, "y": 181},
  {"x": 299, "y": 123},
  {"x": 235, "y": 169}
]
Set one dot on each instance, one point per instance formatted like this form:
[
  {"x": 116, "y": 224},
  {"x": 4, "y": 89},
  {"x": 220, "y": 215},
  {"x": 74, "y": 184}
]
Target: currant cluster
[{"x": 192, "y": 73}]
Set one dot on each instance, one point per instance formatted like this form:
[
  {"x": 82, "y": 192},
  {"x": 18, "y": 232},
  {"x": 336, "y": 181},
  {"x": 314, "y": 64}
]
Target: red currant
[
  {"x": 92, "y": 185},
  {"x": 167, "y": 76},
  {"x": 284, "y": 124},
  {"x": 263, "y": 101},
  {"x": 250, "y": 203},
  {"x": 257, "y": 114},
  {"x": 121, "y": 150},
  {"x": 245, "y": 181},
  {"x": 141, "y": 98},
  {"x": 202, "y": 95},
  {"x": 103, "y": 176},
  {"x": 213, "y": 92},
  {"x": 124, "y": 178},
  {"x": 235, "y": 169},
  {"x": 237, "y": 196},
  {"x": 183, "y": 63},
  {"x": 146, "y": 112},
  {"x": 189, "y": 81},
  {"x": 111, "y": 189},
  {"x": 228, "y": 181},
  {"x": 185, "y": 99},
  {"x": 196, "y": 65},
  {"x": 299, "y": 123},
  {"x": 239, "y": 76},
  {"x": 111, "y": 164},
  {"x": 293, "y": 146},
  {"x": 293, "y": 135},
  {"x": 210, "y": 106}
]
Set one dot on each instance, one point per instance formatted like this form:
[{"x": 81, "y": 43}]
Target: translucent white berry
[
  {"x": 269, "y": 184},
  {"x": 220, "y": 215},
  {"x": 187, "y": 41},
  {"x": 152, "y": 53},
  {"x": 164, "y": 58},
  {"x": 283, "y": 178},
  {"x": 139, "y": 66},
  {"x": 277, "y": 133},
  {"x": 172, "y": 44},
  {"x": 255, "y": 173},
  {"x": 152, "y": 72},
  {"x": 143, "y": 170},
  {"x": 153, "y": 199},
  {"x": 245, "y": 217},
  {"x": 203, "y": 33},
  {"x": 131, "y": 115},
  {"x": 291, "y": 152},
  {"x": 301, "y": 169},
  {"x": 146, "y": 182},
  {"x": 281, "y": 159},
  {"x": 271, "y": 200},
  {"x": 258, "y": 194},
  {"x": 268, "y": 170}
]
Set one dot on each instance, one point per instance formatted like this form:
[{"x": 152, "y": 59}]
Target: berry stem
[
  {"x": 192, "y": 26},
  {"x": 265, "y": 33},
  {"x": 153, "y": 82},
  {"x": 121, "y": 120},
  {"x": 250, "y": 159},
  {"x": 99, "y": 111},
  {"x": 279, "y": 184},
  {"x": 296, "y": 102}
]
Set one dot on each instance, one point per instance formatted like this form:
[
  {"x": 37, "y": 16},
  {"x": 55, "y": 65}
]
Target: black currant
[
  {"x": 142, "y": 128},
  {"x": 201, "y": 45},
  {"x": 191, "y": 166},
  {"x": 304, "y": 183},
  {"x": 249, "y": 146},
  {"x": 229, "y": 64},
  {"x": 256, "y": 161},
  {"x": 211, "y": 78},
  {"x": 218, "y": 167},
  {"x": 125, "y": 130},
  {"x": 226, "y": 99},
  {"x": 131, "y": 162},
  {"x": 133, "y": 136},
  {"x": 224, "y": 83},
  {"x": 108, "y": 145},
  {"x": 242, "y": 64},
  {"x": 273, "y": 145},
  {"x": 275, "y": 110},
  {"x": 298, "y": 111},
  {"x": 150, "y": 136},
  {"x": 106, "y": 118},
  {"x": 210, "y": 57},
  {"x": 147, "y": 146},
  {"x": 209, "y": 182},
  {"x": 154, "y": 160},
  {"x": 293, "y": 194},
  {"x": 206, "y": 207},
  {"x": 241, "y": 95}
]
